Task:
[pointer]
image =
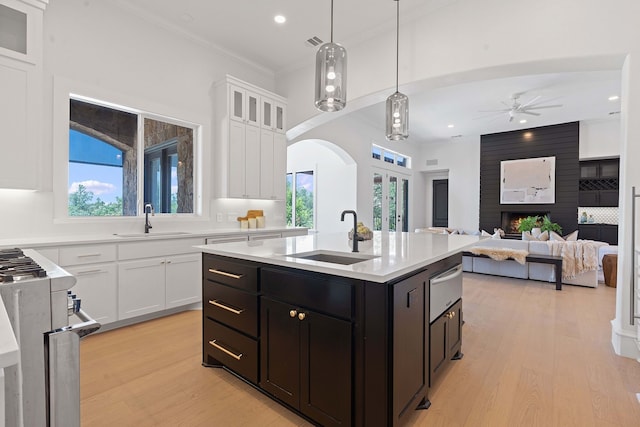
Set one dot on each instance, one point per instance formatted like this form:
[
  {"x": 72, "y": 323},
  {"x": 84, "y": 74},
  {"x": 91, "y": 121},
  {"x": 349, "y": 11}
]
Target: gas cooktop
[{"x": 15, "y": 266}]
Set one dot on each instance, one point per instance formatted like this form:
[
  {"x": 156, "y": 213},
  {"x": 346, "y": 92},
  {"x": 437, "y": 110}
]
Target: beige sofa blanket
[
  {"x": 577, "y": 257},
  {"x": 501, "y": 254}
]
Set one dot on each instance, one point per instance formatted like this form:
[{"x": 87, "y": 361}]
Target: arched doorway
[{"x": 321, "y": 183}]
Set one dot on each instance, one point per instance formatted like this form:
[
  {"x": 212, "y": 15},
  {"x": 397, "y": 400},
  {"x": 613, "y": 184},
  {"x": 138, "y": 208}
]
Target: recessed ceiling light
[
  {"x": 614, "y": 98},
  {"x": 523, "y": 121},
  {"x": 449, "y": 126},
  {"x": 280, "y": 19}
]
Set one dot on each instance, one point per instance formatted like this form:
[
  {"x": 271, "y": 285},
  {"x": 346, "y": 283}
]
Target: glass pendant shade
[
  {"x": 331, "y": 77},
  {"x": 397, "y": 117}
]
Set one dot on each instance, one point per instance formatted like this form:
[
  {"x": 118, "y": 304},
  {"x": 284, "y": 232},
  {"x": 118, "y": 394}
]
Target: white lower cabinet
[
  {"x": 141, "y": 287},
  {"x": 97, "y": 288},
  {"x": 149, "y": 285},
  {"x": 183, "y": 280}
]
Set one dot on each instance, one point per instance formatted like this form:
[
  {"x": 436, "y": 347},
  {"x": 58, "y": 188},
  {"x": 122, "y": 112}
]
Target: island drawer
[
  {"x": 324, "y": 293},
  {"x": 233, "y": 307},
  {"x": 234, "y": 350},
  {"x": 232, "y": 273}
]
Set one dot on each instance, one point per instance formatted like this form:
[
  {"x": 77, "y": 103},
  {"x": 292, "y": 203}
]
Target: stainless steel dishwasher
[{"x": 445, "y": 290}]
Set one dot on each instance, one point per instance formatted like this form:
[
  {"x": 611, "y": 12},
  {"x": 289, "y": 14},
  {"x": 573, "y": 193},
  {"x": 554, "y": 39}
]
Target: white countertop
[
  {"x": 395, "y": 254},
  {"x": 132, "y": 237}
]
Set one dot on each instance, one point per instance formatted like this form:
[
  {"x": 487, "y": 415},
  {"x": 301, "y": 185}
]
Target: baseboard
[{"x": 625, "y": 343}]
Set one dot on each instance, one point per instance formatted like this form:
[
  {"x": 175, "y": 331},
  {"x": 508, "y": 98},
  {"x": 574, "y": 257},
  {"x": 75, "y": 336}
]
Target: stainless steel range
[{"x": 43, "y": 389}]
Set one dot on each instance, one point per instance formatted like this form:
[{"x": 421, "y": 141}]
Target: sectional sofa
[{"x": 532, "y": 271}]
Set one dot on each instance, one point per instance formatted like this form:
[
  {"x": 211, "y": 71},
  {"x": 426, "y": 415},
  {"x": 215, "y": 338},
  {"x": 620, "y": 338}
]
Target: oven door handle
[{"x": 86, "y": 327}]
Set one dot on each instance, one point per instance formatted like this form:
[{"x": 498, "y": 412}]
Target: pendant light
[
  {"x": 331, "y": 75},
  {"x": 398, "y": 103}
]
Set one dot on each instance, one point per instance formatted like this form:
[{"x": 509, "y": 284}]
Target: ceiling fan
[{"x": 521, "y": 108}]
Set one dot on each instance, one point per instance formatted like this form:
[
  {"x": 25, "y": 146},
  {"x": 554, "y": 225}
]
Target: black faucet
[
  {"x": 147, "y": 225},
  {"x": 355, "y": 228}
]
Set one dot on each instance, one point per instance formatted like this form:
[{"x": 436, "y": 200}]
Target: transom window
[{"x": 390, "y": 156}]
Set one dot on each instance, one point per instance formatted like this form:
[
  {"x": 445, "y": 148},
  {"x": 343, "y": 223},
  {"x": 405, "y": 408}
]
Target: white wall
[
  {"x": 599, "y": 138},
  {"x": 103, "y": 48},
  {"x": 335, "y": 175}
]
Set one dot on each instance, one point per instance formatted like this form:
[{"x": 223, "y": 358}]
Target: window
[
  {"x": 300, "y": 199},
  {"x": 104, "y": 176},
  {"x": 389, "y": 156}
]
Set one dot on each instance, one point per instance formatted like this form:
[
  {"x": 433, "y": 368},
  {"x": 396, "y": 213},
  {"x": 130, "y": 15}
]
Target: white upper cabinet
[
  {"x": 244, "y": 105},
  {"x": 251, "y": 146},
  {"x": 273, "y": 115},
  {"x": 21, "y": 89}
]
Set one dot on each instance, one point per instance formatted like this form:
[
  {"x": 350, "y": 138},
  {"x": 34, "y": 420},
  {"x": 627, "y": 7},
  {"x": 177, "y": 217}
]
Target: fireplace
[{"x": 511, "y": 220}]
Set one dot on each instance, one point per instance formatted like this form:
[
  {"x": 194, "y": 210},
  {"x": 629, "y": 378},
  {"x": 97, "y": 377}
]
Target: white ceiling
[{"x": 245, "y": 28}]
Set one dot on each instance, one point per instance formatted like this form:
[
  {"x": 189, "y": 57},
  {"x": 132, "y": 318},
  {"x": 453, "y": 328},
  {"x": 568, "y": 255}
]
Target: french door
[{"x": 390, "y": 201}]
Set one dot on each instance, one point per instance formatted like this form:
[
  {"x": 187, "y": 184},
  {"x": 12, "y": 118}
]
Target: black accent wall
[{"x": 561, "y": 141}]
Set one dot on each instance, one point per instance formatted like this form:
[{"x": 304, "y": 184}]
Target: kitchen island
[{"x": 342, "y": 338}]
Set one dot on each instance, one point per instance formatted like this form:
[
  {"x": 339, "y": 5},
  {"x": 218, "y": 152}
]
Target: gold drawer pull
[
  {"x": 225, "y": 307},
  {"x": 221, "y": 348},
  {"x": 224, "y": 273}
]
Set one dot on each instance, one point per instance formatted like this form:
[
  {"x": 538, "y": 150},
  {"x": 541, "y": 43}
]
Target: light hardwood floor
[{"x": 533, "y": 357}]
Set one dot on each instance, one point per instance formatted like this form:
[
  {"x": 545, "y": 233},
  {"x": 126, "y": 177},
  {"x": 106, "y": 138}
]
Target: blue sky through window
[{"x": 96, "y": 165}]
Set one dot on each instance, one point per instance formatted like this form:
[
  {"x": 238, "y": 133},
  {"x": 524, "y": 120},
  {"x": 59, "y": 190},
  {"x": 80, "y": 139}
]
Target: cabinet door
[
  {"x": 141, "y": 287},
  {"x": 280, "y": 118},
  {"x": 267, "y": 113},
  {"x": 279, "y": 166},
  {"x": 588, "y": 198},
  {"x": 252, "y": 116},
  {"x": 588, "y": 170},
  {"x": 252, "y": 162},
  {"x": 609, "y": 168},
  {"x": 408, "y": 343},
  {"x": 97, "y": 287},
  {"x": 183, "y": 280},
  {"x": 438, "y": 347},
  {"x": 237, "y": 105},
  {"x": 237, "y": 158},
  {"x": 266, "y": 164},
  {"x": 280, "y": 351},
  {"x": 18, "y": 164},
  {"x": 325, "y": 368},
  {"x": 454, "y": 330},
  {"x": 589, "y": 232},
  {"x": 608, "y": 198},
  {"x": 609, "y": 234}
]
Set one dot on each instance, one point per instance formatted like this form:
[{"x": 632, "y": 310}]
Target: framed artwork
[{"x": 528, "y": 181}]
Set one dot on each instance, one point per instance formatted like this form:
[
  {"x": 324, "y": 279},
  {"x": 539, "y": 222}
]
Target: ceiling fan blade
[
  {"x": 544, "y": 106},
  {"x": 495, "y": 111},
  {"x": 531, "y": 101},
  {"x": 530, "y": 113}
]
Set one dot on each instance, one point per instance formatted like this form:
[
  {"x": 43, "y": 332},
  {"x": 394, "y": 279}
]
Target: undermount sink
[
  {"x": 334, "y": 257},
  {"x": 168, "y": 233}
]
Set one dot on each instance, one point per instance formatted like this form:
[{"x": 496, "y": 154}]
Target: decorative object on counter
[
  {"x": 260, "y": 221},
  {"x": 364, "y": 233},
  {"x": 397, "y": 103},
  {"x": 331, "y": 75},
  {"x": 591, "y": 220},
  {"x": 251, "y": 219},
  {"x": 583, "y": 218}
]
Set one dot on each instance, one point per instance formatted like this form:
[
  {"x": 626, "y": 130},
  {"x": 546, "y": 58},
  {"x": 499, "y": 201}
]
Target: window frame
[{"x": 64, "y": 90}]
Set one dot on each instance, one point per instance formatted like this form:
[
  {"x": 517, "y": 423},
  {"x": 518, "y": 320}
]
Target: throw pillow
[
  {"x": 555, "y": 237},
  {"x": 542, "y": 237},
  {"x": 496, "y": 235},
  {"x": 572, "y": 237},
  {"x": 485, "y": 234}
]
